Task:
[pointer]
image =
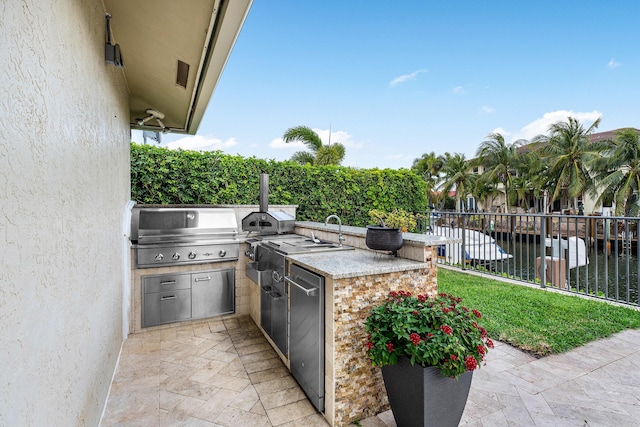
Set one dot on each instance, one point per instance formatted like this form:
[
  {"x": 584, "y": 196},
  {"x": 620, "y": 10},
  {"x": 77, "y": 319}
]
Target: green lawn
[{"x": 533, "y": 320}]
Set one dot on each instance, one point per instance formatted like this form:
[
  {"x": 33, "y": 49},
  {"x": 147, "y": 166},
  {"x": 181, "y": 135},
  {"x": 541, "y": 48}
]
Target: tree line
[{"x": 567, "y": 164}]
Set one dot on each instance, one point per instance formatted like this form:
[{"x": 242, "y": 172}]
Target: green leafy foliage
[
  {"x": 398, "y": 218},
  {"x": 162, "y": 176}
]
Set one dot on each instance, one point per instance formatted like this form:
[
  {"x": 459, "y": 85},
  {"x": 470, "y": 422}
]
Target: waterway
[{"x": 613, "y": 276}]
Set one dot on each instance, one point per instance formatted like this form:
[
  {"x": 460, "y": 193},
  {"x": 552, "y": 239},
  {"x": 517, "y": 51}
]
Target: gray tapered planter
[{"x": 422, "y": 396}]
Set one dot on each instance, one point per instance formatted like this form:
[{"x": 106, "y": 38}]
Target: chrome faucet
[{"x": 340, "y": 238}]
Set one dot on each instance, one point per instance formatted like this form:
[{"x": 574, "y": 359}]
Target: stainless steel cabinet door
[
  {"x": 212, "y": 293},
  {"x": 279, "y": 319},
  {"x": 306, "y": 332}
]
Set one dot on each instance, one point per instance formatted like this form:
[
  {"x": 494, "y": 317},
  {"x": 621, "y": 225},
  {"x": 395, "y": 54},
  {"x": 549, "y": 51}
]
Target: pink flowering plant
[{"x": 437, "y": 331}]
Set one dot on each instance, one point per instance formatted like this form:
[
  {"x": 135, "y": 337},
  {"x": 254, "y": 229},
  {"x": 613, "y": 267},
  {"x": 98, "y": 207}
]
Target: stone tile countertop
[
  {"x": 409, "y": 238},
  {"x": 353, "y": 263}
]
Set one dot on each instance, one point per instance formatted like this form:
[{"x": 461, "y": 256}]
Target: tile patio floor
[{"x": 224, "y": 373}]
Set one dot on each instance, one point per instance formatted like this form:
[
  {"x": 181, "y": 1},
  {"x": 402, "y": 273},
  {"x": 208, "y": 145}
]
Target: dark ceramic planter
[
  {"x": 422, "y": 396},
  {"x": 383, "y": 238}
]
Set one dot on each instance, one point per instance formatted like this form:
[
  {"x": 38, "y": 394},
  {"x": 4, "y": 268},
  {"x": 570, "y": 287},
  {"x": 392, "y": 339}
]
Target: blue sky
[{"x": 395, "y": 80}]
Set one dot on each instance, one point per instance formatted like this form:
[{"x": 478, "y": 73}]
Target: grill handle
[{"x": 203, "y": 279}]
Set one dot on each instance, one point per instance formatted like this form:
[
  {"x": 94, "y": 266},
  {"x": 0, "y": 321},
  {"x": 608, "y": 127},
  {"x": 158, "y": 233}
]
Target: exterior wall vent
[{"x": 183, "y": 74}]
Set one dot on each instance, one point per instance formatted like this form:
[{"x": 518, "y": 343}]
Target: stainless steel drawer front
[
  {"x": 166, "y": 307},
  {"x": 166, "y": 282},
  {"x": 168, "y": 298}
]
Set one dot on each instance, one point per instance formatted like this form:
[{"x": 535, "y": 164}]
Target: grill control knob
[
  {"x": 159, "y": 257},
  {"x": 192, "y": 255},
  {"x": 248, "y": 254},
  {"x": 176, "y": 256},
  {"x": 222, "y": 253}
]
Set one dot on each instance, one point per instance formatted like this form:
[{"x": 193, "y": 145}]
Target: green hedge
[{"x": 163, "y": 176}]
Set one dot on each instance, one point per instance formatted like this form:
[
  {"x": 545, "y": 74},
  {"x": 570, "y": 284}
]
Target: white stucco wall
[{"x": 64, "y": 181}]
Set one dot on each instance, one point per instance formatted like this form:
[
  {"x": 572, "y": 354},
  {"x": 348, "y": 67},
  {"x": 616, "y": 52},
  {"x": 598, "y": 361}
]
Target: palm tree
[
  {"x": 429, "y": 166},
  {"x": 499, "y": 160},
  {"x": 485, "y": 191},
  {"x": 570, "y": 151},
  {"x": 521, "y": 188},
  {"x": 319, "y": 154},
  {"x": 618, "y": 173},
  {"x": 531, "y": 177},
  {"x": 456, "y": 175}
]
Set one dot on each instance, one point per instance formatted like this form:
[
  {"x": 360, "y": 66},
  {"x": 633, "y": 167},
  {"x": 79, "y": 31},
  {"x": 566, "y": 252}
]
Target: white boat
[
  {"x": 573, "y": 248},
  {"x": 479, "y": 248}
]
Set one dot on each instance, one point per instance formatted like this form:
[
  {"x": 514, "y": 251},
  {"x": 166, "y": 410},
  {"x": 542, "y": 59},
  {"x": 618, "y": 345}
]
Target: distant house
[{"x": 67, "y": 108}]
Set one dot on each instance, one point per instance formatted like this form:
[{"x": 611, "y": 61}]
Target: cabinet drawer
[
  {"x": 165, "y": 283},
  {"x": 166, "y": 307}
]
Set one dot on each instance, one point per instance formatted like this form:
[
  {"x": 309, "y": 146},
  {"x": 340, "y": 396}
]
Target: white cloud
[
  {"x": 613, "y": 64},
  {"x": 340, "y": 136},
  {"x": 406, "y": 77},
  {"x": 541, "y": 125},
  {"x": 505, "y": 133},
  {"x": 485, "y": 109},
  {"x": 201, "y": 143},
  {"x": 458, "y": 90},
  {"x": 279, "y": 144}
]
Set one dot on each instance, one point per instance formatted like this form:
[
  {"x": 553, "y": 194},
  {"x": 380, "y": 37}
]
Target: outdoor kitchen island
[{"x": 354, "y": 281}]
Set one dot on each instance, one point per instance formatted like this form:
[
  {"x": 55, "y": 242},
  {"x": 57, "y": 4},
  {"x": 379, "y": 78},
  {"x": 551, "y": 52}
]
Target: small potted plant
[
  {"x": 428, "y": 349},
  {"x": 386, "y": 234}
]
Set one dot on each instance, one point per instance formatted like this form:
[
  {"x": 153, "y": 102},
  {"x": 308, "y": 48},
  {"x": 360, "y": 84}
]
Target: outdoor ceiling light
[{"x": 153, "y": 114}]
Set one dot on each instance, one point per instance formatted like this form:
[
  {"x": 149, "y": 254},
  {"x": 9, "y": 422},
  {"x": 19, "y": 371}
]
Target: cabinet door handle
[
  {"x": 168, "y": 297},
  {"x": 309, "y": 291},
  {"x": 169, "y": 282},
  {"x": 203, "y": 279}
]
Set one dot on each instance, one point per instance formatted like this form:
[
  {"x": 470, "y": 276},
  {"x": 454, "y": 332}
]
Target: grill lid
[{"x": 180, "y": 224}]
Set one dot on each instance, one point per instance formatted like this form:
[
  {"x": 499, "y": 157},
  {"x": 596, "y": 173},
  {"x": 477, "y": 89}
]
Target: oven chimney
[{"x": 264, "y": 192}]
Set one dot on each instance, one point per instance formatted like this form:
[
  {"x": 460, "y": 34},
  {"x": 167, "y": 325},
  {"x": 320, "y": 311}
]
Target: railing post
[
  {"x": 463, "y": 255},
  {"x": 543, "y": 254}
]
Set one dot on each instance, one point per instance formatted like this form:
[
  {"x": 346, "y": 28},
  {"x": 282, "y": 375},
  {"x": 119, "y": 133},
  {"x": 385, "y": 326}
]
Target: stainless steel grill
[{"x": 165, "y": 236}]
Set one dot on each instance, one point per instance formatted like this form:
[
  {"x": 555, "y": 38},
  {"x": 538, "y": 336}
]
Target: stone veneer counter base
[{"x": 355, "y": 281}]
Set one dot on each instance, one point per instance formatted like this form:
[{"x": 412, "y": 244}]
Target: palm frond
[
  {"x": 303, "y": 134},
  {"x": 303, "y": 157}
]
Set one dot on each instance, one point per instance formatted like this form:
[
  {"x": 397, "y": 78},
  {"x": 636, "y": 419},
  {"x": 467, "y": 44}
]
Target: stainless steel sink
[
  {"x": 312, "y": 244},
  {"x": 299, "y": 244},
  {"x": 306, "y": 246}
]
